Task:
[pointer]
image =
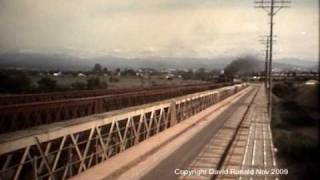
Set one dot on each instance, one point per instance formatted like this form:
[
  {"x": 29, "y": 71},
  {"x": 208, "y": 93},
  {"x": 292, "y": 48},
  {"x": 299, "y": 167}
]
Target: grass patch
[
  {"x": 289, "y": 113},
  {"x": 299, "y": 153},
  {"x": 295, "y": 147},
  {"x": 296, "y": 152}
]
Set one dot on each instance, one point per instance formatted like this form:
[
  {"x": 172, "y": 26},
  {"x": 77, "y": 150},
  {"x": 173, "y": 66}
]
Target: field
[{"x": 121, "y": 82}]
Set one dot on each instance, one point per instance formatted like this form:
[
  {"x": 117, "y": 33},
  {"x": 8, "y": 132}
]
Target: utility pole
[
  {"x": 265, "y": 40},
  {"x": 272, "y": 7}
]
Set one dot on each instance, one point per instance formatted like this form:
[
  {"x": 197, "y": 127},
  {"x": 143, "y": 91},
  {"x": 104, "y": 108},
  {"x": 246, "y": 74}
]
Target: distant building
[
  {"x": 311, "y": 82},
  {"x": 139, "y": 74},
  {"x": 81, "y": 75},
  {"x": 169, "y": 76},
  {"x": 57, "y": 74},
  {"x": 237, "y": 80}
]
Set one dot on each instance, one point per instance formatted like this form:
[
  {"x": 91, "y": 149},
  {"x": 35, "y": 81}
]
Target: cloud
[{"x": 145, "y": 27}]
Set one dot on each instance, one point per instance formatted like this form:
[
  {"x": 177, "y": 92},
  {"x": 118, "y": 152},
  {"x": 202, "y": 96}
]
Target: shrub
[
  {"x": 113, "y": 79},
  {"x": 96, "y": 83},
  {"x": 295, "y": 147},
  {"x": 78, "y": 86},
  {"x": 47, "y": 84},
  {"x": 293, "y": 114},
  {"x": 15, "y": 83}
]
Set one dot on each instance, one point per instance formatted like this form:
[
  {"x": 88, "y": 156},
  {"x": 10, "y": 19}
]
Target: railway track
[{"x": 25, "y": 115}]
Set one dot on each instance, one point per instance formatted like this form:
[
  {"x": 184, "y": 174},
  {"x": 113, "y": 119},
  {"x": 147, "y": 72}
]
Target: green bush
[
  {"x": 47, "y": 84},
  {"x": 79, "y": 86},
  {"x": 297, "y": 152},
  {"x": 17, "y": 82},
  {"x": 293, "y": 114},
  {"x": 114, "y": 79},
  {"x": 281, "y": 90},
  {"x": 295, "y": 147},
  {"x": 96, "y": 83}
]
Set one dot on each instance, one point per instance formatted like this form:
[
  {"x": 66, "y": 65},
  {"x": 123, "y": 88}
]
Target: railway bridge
[{"x": 209, "y": 131}]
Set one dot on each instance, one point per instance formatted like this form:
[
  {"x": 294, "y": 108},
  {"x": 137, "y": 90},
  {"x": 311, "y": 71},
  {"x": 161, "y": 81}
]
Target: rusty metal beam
[
  {"x": 40, "y": 97},
  {"x": 68, "y": 148},
  {"x": 22, "y": 116}
]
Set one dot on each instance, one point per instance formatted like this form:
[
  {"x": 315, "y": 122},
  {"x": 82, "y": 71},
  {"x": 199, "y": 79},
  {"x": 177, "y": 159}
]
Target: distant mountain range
[{"x": 37, "y": 61}]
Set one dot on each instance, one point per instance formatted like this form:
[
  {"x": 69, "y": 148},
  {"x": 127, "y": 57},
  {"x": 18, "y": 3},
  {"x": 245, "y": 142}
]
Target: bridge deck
[
  {"x": 203, "y": 153},
  {"x": 253, "y": 146},
  {"x": 231, "y": 136},
  {"x": 234, "y": 134},
  {"x": 137, "y": 161}
]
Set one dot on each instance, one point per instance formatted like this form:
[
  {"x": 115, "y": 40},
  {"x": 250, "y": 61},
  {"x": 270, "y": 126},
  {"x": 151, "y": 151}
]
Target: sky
[{"x": 146, "y": 28}]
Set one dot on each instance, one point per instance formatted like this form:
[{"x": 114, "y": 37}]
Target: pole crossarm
[{"x": 275, "y": 5}]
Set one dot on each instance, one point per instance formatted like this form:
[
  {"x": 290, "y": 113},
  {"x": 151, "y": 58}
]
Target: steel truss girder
[
  {"x": 60, "y": 153},
  {"x": 15, "y": 117}
]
